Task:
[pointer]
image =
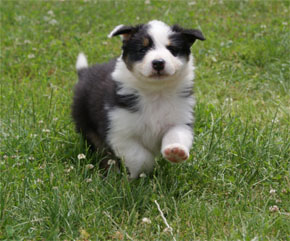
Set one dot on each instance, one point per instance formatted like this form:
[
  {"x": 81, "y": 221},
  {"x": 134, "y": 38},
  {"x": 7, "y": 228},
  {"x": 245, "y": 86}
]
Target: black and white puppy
[{"x": 141, "y": 103}]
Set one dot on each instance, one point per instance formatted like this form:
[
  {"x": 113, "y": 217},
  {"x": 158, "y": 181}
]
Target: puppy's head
[{"x": 155, "y": 50}]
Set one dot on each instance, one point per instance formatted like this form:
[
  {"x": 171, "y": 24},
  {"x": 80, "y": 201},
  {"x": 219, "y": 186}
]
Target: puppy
[{"x": 141, "y": 103}]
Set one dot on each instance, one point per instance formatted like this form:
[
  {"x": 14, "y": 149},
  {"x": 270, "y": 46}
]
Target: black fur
[
  {"x": 179, "y": 46},
  {"x": 129, "y": 101},
  {"x": 189, "y": 34},
  {"x": 95, "y": 94},
  {"x": 134, "y": 49},
  {"x": 182, "y": 40},
  {"x": 187, "y": 92}
]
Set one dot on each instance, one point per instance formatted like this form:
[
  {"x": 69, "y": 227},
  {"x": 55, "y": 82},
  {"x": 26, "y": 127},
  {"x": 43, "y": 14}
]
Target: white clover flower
[
  {"x": 90, "y": 166},
  {"x": 53, "y": 22},
  {"x": 81, "y": 156},
  {"x": 31, "y": 56},
  {"x": 45, "y": 130},
  {"x": 69, "y": 169},
  {"x": 39, "y": 181},
  {"x": 88, "y": 180},
  {"x": 228, "y": 99},
  {"x": 272, "y": 191},
  {"x": 143, "y": 175},
  {"x": 167, "y": 230},
  {"x": 50, "y": 12},
  {"x": 111, "y": 162},
  {"x": 191, "y": 3},
  {"x": 146, "y": 221},
  {"x": 274, "y": 208},
  {"x": 213, "y": 58}
]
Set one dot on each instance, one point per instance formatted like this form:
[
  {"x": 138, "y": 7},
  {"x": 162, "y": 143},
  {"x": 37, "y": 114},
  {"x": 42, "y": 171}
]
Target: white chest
[{"x": 148, "y": 125}]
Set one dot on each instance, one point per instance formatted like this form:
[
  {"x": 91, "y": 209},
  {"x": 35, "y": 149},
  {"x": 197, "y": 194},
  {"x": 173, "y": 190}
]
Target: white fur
[
  {"x": 163, "y": 113},
  {"x": 81, "y": 62},
  {"x": 178, "y": 136},
  {"x": 160, "y": 33},
  {"x": 137, "y": 137}
]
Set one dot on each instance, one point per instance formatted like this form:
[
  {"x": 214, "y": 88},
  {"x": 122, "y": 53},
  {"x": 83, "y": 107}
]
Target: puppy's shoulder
[{"x": 99, "y": 72}]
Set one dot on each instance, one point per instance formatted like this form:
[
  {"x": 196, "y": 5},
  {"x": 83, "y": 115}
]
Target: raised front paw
[{"x": 175, "y": 153}]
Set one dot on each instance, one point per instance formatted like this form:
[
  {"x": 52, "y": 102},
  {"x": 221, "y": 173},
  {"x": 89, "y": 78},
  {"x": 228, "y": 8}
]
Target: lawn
[{"x": 236, "y": 184}]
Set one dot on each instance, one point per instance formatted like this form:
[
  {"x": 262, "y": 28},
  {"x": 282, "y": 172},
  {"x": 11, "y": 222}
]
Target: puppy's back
[{"x": 92, "y": 93}]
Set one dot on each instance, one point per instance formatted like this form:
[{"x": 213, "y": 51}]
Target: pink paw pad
[{"x": 175, "y": 154}]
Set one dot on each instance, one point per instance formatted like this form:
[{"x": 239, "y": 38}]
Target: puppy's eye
[
  {"x": 142, "y": 50},
  {"x": 174, "y": 50}
]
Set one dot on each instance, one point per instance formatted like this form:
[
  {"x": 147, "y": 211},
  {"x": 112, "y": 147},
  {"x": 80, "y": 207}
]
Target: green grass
[{"x": 241, "y": 149}]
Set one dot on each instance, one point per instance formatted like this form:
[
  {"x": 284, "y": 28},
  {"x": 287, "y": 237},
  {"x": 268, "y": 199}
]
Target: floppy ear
[
  {"x": 124, "y": 31},
  {"x": 190, "y": 34}
]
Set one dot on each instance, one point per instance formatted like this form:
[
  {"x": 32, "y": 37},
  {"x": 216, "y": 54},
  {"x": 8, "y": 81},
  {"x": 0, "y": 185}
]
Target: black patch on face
[
  {"x": 136, "y": 47},
  {"x": 182, "y": 39},
  {"x": 126, "y": 101},
  {"x": 178, "y": 46}
]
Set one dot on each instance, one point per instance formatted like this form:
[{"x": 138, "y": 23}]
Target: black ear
[
  {"x": 125, "y": 31},
  {"x": 190, "y": 34},
  {"x": 193, "y": 33}
]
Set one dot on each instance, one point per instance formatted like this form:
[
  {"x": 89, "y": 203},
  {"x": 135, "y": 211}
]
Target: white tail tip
[{"x": 81, "y": 62}]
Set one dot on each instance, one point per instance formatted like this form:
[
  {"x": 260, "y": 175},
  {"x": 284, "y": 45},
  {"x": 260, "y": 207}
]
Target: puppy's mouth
[{"x": 158, "y": 75}]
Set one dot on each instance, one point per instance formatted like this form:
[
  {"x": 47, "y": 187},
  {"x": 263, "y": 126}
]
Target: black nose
[{"x": 158, "y": 64}]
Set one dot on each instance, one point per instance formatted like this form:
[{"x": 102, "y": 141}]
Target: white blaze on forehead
[{"x": 159, "y": 32}]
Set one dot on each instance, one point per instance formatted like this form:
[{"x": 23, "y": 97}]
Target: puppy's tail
[{"x": 82, "y": 63}]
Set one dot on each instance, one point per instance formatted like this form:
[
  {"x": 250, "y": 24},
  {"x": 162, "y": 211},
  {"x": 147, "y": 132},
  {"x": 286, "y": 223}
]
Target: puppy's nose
[{"x": 158, "y": 64}]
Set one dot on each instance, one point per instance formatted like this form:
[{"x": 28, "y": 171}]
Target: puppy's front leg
[
  {"x": 137, "y": 159},
  {"x": 176, "y": 143}
]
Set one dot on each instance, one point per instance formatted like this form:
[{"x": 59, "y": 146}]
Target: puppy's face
[{"x": 155, "y": 50}]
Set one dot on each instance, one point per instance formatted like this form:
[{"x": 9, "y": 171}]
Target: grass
[{"x": 238, "y": 171}]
